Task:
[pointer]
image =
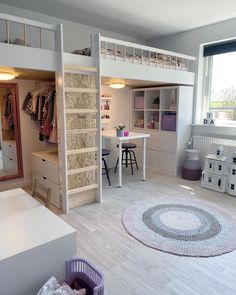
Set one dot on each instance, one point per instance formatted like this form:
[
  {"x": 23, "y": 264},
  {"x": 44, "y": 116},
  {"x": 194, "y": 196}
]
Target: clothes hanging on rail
[
  {"x": 9, "y": 122},
  {"x": 40, "y": 105}
]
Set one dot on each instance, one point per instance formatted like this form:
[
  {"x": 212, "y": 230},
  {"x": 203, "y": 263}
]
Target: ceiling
[{"x": 141, "y": 19}]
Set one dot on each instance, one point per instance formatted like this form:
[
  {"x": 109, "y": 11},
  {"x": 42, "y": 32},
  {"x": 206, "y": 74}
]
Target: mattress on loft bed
[{"x": 158, "y": 59}]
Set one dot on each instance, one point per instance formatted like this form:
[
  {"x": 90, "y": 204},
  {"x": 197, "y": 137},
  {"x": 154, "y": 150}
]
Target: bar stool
[
  {"x": 128, "y": 156},
  {"x": 106, "y": 152}
]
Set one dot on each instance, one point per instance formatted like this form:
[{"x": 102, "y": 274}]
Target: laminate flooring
[{"x": 131, "y": 268}]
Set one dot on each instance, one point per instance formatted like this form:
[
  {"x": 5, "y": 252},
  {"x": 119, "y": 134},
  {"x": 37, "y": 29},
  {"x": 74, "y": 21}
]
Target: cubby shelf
[
  {"x": 154, "y": 108},
  {"x": 168, "y": 122}
]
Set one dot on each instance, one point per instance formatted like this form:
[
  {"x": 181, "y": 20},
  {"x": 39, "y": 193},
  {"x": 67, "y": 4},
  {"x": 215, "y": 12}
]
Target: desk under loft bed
[{"x": 27, "y": 44}]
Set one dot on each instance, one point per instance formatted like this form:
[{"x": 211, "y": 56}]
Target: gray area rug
[{"x": 184, "y": 227}]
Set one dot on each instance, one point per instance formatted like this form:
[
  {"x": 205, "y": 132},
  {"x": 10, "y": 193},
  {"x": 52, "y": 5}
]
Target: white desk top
[
  {"x": 25, "y": 223},
  {"x": 132, "y": 135}
]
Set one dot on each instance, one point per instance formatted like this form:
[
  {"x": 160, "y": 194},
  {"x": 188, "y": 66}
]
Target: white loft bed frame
[
  {"x": 142, "y": 64},
  {"x": 118, "y": 59}
]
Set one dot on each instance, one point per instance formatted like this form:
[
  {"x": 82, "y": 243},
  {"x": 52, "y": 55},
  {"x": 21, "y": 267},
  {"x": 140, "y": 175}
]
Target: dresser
[
  {"x": 9, "y": 156},
  {"x": 45, "y": 169},
  {"x": 34, "y": 244}
]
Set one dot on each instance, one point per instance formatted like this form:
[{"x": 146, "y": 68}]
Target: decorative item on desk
[
  {"x": 120, "y": 130},
  {"x": 209, "y": 120},
  {"x": 126, "y": 133}
]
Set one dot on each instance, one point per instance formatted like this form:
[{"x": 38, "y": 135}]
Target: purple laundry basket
[{"x": 81, "y": 274}]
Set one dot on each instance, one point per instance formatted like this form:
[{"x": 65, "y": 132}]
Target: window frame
[{"x": 203, "y": 85}]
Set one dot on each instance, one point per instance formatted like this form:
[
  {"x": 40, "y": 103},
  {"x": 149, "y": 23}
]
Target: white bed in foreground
[{"x": 34, "y": 244}]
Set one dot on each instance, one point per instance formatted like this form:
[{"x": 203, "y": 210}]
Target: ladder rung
[
  {"x": 80, "y": 111},
  {"x": 78, "y": 131},
  {"x": 82, "y": 189},
  {"x": 80, "y": 170},
  {"x": 82, "y": 151},
  {"x": 80, "y": 68},
  {"x": 80, "y": 90}
]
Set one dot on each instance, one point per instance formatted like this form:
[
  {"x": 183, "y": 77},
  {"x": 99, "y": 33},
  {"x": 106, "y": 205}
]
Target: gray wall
[
  {"x": 188, "y": 42},
  {"x": 75, "y": 35}
]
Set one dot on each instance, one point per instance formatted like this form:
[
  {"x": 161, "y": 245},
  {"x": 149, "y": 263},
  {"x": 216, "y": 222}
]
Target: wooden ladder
[{"x": 82, "y": 134}]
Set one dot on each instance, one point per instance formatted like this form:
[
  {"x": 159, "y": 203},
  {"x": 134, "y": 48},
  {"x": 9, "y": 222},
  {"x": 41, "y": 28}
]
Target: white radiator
[{"x": 208, "y": 145}]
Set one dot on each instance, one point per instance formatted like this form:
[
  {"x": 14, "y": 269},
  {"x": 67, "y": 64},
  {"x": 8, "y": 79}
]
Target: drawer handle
[
  {"x": 9, "y": 145},
  {"x": 43, "y": 160},
  {"x": 44, "y": 177},
  {"x": 11, "y": 159}
]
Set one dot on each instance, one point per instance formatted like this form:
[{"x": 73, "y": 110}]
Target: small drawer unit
[
  {"x": 45, "y": 169},
  {"x": 214, "y": 175}
]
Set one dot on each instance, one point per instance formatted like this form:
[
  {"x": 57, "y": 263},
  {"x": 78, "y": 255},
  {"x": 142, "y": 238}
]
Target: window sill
[
  {"x": 214, "y": 126},
  {"x": 214, "y": 131}
]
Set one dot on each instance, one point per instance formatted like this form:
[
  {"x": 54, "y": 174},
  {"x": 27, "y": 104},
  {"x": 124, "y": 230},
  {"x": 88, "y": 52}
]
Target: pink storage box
[
  {"x": 168, "y": 122},
  {"x": 139, "y": 102}
]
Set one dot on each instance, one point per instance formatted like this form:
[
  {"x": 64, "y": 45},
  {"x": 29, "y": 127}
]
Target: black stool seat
[
  {"x": 128, "y": 145},
  {"x": 128, "y": 156},
  {"x": 105, "y": 152}
]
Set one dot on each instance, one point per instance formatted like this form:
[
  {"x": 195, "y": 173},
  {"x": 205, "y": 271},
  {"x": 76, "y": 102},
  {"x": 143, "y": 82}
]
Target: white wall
[
  {"x": 29, "y": 137},
  {"x": 75, "y": 35},
  {"x": 119, "y": 115},
  {"x": 188, "y": 42}
]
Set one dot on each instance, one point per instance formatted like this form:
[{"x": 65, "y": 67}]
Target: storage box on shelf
[
  {"x": 214, "y": 175},
  {"x": 164, "y": 116}
]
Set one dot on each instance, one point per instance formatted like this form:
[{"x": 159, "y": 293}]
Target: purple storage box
[
  {"x": 168, "y": 122},
  {"x": 139, "y": 102},
  {"x": 82, "y": 274}
]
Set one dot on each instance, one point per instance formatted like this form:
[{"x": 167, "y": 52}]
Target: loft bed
[
  {"x": 121, "y": 59},
  {"x": 33, "y": 45},
  {"x": 29, "y": 44}
]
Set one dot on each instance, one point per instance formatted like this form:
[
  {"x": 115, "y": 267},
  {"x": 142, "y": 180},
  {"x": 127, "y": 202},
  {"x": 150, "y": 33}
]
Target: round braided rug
[{"x": 181, "y": 226}]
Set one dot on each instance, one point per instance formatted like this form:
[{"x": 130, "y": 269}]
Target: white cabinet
[
  {"x": 9, "y": 157},
  {"x": 45, "y": 169},
  {"x": 166, "y": 114}
]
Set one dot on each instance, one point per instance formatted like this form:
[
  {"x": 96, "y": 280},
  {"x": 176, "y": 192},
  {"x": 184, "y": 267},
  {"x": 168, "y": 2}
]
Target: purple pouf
[{"x": 191, "y": 174}]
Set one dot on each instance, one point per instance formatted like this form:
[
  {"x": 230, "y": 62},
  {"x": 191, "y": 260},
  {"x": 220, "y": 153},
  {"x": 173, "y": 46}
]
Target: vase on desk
[{"x": 119, "y": 133}]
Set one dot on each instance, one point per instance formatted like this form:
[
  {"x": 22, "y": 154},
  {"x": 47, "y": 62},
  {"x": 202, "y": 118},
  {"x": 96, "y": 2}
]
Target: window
[{"x": 220, "y": 81}]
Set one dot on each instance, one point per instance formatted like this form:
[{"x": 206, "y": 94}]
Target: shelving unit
[
  {"x": 105, "y": 109},
  {"x": 165, "y": 113},
  {"x": 154, "y": 109}
]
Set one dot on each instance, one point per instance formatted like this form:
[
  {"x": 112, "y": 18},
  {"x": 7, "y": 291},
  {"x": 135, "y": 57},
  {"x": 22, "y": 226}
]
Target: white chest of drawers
[
  {"x": 9, "y": 156},
  {"x": 45, "y": 169}
]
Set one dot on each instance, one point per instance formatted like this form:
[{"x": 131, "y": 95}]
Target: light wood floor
[{"x": 132, "y": 268}]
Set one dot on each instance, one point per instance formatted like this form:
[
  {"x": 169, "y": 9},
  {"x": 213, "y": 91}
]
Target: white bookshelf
[{"x": 168, "y": 122}]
